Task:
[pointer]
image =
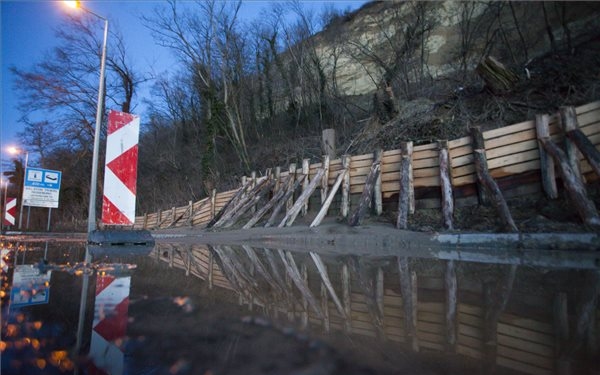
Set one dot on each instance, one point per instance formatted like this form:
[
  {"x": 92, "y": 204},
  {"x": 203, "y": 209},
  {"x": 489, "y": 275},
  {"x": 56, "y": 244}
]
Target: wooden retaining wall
[
  {"x": 523, "y": 335},
  {"x": 510, "y": 151}
]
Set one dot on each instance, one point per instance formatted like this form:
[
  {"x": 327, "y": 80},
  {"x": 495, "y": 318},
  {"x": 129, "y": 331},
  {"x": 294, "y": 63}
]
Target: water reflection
[{"x": 197, "y": 309}]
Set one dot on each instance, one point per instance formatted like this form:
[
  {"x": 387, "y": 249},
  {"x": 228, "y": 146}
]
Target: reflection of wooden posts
[
  {"x": 366, "y": 196},
  {"x": 346, "y": 290},
  {"x": 379, "y": 291},
  {"x": 322, "y": 268},
  {"x": 406, "y": 185},
  {"x": 328, "y": 142},
  {"x": 325, "y": 307},
  {"x": 345, "y": 208},
  {"x": 546, "y": 162},
  {"x": 450, "y": 287},
  {"x": 577, "y": 192},
  {"x": 492, "y": 190},
  {"x": 561, "y": 333},
  {"x": 408, "y": 288},
  {"x": 495, "y": 298},
  {"x": 305, "y": 173},
  {"x": 304, "y": 314},
  {"x": 294, "y": 273},
  {"x": 576, "y": 136},
  {"x": 211, "y": 272},
  {"x": 325, "y": 178},
  {"x": 446, "y": 185},
  {"x": 377, "y": 188},
  {"x": 568, "y": 121}
]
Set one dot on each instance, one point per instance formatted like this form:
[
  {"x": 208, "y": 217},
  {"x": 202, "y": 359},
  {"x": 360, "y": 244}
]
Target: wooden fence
[
  {"x": 511, "y": 157},
  {"x": 450, "y": 307}
]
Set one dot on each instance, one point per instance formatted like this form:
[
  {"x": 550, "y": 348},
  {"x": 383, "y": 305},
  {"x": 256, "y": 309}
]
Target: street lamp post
[{"x": 94, "y": 179}]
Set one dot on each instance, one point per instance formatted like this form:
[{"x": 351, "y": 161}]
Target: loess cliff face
[{"x": 403, "y": 43}]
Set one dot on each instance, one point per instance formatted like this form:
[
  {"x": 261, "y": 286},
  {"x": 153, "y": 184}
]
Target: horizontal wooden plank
[
  {"x": 432, "y": 317},
  {"x": 436, "y": 328},
  {"x": 514, "y": 159},
  {"x": 469, "y": 352},
  {"x": 425, "y": 154},
  {"x": 588, "y": 107},
  {"x": 428, "y": 146},
  {"x": 525, "y": 334},
  {"x": 505, "y": 130},
  {"x": 462, "y": 160},
  {"x": 528, "y": 346},
  {"x": 432, "y": 345},
  {"x": 526, "y": 357},
  {"x": 460, "y": 151},
  {"x": 515, "y": 169},
  {"x": 459, "y": 142},
  {"x": 534, "y": 325},
  {"x": 523, "y": 367},
  {"x": 471, "y": 342},
  {"x": 436, "y": 307},
  {"x": 511, "y": 149},
  {"x": 470, "y": 331}
]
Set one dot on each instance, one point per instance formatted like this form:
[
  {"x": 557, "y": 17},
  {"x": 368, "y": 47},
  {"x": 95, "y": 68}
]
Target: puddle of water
[{"x": 213, "y": 309}]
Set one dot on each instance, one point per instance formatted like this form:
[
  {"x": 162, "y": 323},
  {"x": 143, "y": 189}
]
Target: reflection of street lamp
[
  {"x": 16, "y": 151},
  {"x": 92, "y": 204}
]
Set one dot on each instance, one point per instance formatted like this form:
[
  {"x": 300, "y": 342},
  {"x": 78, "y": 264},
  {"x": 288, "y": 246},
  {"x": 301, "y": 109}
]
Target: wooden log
[
  {"x": 253, "y": 177},
  {"x": 587, "y": 148},
  {"x": 213, "y": 204},
  {"x": 477, "y": 143},
  {"x": 305, "y": 172},
  {"x": 450, "y": 287},
  {"x": 406, "y": 148},
  {"x": 322, "y": 268},
  {"x": 290, "y": 201},
  {"x": 496, "y": 75},
  {"x": 446, "y": 185},
  {"x": 378, "y": 197},
  {"x": 231, "y": 203},
  {"x": 584, "y": 206},
  {"x": 546, "y": 162},
  {"x": 277, "y": 178},
  {"x": 366, "y": 197},
  {"x": 241, "y": 204},
  {"x": 291, "y": 188},
  {"x": 568, "y": 121},
  {"x": 493, "y": 191},
  {"x": 258, "y": 193},
  {"x": 272, "y": 202},
  {"x": 405, "y": 187},
  {"x": 325, "y": 178},
  {"x": 288, "y": 220},
  {"x": 345, "y": 207},
  {"x": 346, "y": 292},
  {"x": 145, "y": 225},
  {"x": 323, "y": 212},
  {"x": 408, "y": 291},
  {"x": 328, "y": 142}
]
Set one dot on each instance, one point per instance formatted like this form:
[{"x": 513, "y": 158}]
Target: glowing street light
[
  {"x": 16, "y": 151},
  {"x": 92, "y": 204}
]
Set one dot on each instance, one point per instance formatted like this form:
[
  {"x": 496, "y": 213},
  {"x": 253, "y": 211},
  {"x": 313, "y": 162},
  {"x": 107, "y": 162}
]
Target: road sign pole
[{"x": 49, "y": 216}]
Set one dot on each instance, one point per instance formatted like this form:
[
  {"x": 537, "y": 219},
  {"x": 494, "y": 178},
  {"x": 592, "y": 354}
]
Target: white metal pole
[
  {"x": 23, "y": 189},
  {"x": 99, "y": 110}
]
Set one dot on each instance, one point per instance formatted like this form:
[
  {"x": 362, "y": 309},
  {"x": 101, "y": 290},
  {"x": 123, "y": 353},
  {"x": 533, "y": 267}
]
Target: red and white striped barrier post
[
  {"x": 120, "y": 173},
  {"x": 10, "y": 211}
]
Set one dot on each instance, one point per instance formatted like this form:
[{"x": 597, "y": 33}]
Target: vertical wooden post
[
  {"x": 173, "y": 215},
  {"x": 253, "y": 176},
  {"x": 145, "y": 225},
  {"x": 406, "y": 186},
  {"x": 568, "y": 122},
  {"x": 446, "y": 185},
  {"x": 407, "y": 150},
  {"x": 277, "y": 179},
  {"x": 213, "y": 203},
  {"x": 290, "y": 201},
  {"x": 191, "y": 210},
  {"x": 158, "y": 218},
  {"x": 450, "y": 287},
  {"x": 477, "y": 143},
  {"x": 346, "y": 290},
  {"x": 345, "y": 208},
  {"x": 328, "y": 142},
  {"x": 305, "y": 172},
  {"x": 377, "y": 189},
  {"x": 546, "y": 162},
  {"x": 325, "y": 179}
]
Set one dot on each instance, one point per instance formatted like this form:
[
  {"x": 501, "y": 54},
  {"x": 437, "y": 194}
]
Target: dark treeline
[{"x": 249, "y": 95}]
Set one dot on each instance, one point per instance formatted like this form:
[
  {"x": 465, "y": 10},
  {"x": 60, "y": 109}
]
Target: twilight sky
[{"x": 27, "y": 29}]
